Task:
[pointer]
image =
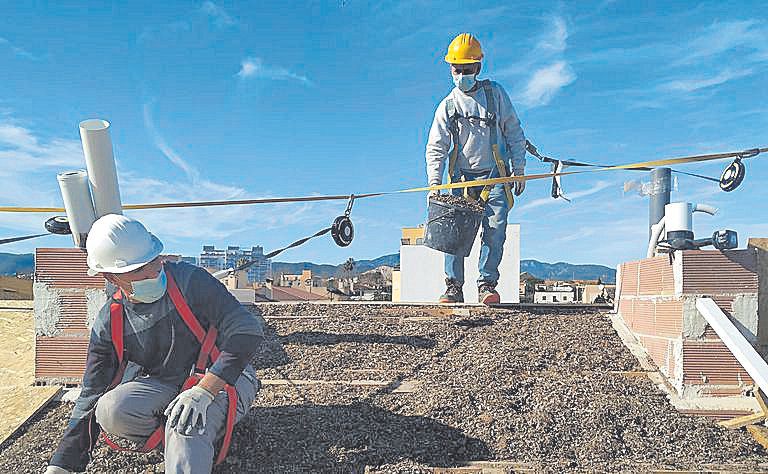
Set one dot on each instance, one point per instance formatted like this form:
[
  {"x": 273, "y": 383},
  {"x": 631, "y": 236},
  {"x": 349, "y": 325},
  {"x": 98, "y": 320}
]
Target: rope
[
  {"x": 643, "y": 165},
  {"x": 16, "y": 239},
  {"x": 279, "y": 251}
]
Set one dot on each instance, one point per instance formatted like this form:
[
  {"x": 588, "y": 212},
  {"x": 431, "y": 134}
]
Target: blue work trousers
[{"x": 494, "y": 233}]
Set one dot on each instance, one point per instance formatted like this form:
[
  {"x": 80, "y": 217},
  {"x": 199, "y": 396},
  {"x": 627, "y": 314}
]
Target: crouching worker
[{"x": 168, "y": 358}]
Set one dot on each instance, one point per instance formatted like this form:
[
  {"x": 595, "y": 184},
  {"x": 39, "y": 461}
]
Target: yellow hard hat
[{"x": 464, "y": 49}]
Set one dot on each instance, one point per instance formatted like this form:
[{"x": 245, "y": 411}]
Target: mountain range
[{"x": 11, "y": 264}]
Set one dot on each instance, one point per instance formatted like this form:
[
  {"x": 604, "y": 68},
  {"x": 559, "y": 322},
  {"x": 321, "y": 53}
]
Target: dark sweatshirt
[{"x": 158, "y": 343}]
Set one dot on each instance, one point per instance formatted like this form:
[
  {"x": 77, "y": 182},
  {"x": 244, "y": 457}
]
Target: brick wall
[
  {"x": 64, "y": 297},
  {"x": 657, "y": 303}
]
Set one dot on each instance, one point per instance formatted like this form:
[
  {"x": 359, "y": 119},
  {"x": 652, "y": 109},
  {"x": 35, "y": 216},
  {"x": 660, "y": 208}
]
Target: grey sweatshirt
[{"x": 474, "y": 135}]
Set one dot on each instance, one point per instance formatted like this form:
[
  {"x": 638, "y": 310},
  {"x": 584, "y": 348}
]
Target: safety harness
[
  {"x": 490, "y": 119},
  {"x": 208, "y": 352}
]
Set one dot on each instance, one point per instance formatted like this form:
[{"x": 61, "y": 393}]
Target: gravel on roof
[{"x": 542, "y": 390}]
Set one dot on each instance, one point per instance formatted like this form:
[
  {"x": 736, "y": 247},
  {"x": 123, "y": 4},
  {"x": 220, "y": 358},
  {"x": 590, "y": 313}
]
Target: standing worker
[
  {"x": 164, "y": 319},
  {"x": 477, "y": 130}
]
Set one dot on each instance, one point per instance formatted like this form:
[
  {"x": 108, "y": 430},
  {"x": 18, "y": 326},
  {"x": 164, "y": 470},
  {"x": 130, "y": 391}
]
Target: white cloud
[
  {"x": 556, "y": 39},
  {"x": 691, "y": 85},
  {"x": 193, "y": 174},
  {"x": 599, "y": 186},
  {"x": 544, "y": 71},
  {"x": 208, "y": 13},
  {"x": 219, "y": 222},
  {"x": 722, "y": 37},
  {"x": 31, "y": 162},
  {"x": 219, "y": 16},
  {"x": 545, "y": 83},
  {"x": 255, "y": 67},
  {"x": 22, "y": 151},
  {"x": 717, "y": 54}
]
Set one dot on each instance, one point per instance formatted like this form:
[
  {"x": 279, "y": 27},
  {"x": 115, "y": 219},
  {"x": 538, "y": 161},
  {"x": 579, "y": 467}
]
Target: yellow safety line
[
  {"x": 642, "y": 164},
  {"x": 458, "y": 185}
]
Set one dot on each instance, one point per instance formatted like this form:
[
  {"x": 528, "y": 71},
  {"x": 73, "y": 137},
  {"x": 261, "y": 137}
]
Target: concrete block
[
  {"x": 422, "y": 277},
  {"x": 761, "y": 248}
]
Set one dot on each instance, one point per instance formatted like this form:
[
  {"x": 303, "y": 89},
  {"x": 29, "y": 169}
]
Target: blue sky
[{"x": 234, "y": 100}]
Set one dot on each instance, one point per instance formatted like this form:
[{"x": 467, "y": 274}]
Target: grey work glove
[
  {"x": 56, "y": 470},
  {"x": 519, "y": 185},
  {"x": 188, "y": 409},
  {"x": 432, "y": 194}
]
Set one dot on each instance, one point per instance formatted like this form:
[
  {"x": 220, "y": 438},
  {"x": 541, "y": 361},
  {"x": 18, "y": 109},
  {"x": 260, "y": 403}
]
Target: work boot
[
  {"x": 453, "y": 292},
  {"x": 487, "y": 294}
]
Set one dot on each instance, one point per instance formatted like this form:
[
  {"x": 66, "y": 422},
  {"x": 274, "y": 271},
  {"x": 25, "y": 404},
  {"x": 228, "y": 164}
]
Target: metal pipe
[
  {"x": 661, "y": 186},
  {"x": 77, "y": 203},
  {"x": 100, "y": 161}
]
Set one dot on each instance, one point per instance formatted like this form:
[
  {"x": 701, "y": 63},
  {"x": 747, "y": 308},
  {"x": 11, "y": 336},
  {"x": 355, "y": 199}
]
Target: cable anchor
[{"x": 342, "y": 229}]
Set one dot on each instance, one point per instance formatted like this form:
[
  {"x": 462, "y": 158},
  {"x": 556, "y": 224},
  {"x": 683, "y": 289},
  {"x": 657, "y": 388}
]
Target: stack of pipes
[{"x": 91, "y": 194}]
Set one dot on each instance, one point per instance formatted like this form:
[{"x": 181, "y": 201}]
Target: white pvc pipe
[
  {"x": 100, "y": 161},
  {"x": 656, "y": 231},
  {"x": 705, "y": 208},
  {"x": 735, "y": 342},
  {"x": 77, "y": 203},
  {"x": 677, "y": 216}
]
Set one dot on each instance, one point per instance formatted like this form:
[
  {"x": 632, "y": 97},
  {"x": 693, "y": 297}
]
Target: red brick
[
  {"x": 643, "y": 318},
  {"x": 712, "y": 363},
  {"x": 658, "y": 349},
  {"x": 712, "y": 272},
  {"x": 629, "y": 278},
  {"x": 669, "y": 318}
]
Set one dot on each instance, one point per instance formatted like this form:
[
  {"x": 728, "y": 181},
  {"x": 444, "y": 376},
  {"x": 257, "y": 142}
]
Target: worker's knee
[{"x": 111, "y": 414}]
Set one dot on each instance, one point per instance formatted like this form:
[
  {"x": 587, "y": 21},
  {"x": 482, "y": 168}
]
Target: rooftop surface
[{"x": 396, "y": 389}]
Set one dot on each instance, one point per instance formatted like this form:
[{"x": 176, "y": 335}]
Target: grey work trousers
[{"x": 133, "y": 409}]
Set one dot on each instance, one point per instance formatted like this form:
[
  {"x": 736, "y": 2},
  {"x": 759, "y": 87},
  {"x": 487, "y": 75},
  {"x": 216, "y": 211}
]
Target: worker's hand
[
  {"x": 188, "y": 408},
  {"x": 431, "y": 194},
  {"x": 519, "y": 185},
  {"x": 56, "y": 470}
]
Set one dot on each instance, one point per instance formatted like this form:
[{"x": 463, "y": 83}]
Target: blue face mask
[
  {"x": 149, "y": 290},
  {"x": 464, "y": 82}
]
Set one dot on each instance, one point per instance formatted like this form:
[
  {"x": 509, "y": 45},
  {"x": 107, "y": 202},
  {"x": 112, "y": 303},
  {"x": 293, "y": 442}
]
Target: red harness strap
[{"x": 208, "y": 350}]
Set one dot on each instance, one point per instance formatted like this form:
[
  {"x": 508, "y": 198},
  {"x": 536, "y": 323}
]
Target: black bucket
[{"x": 451, "y": 228}]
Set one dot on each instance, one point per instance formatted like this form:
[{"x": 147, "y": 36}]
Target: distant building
[
  {"x": 396, "y": 284},
  {"x": 306, "y": 282},
  {"x": 421, "y": 278},
  {"x": 217, "y": 259},
  {"x": 412, "y": 235},
  {"x": 297, "y": 289},
  {"x": 594, "y": 291},
  {"x": 190, "y": 260},
  {"x": 528, "y": 284},
  {"x": 553, "y": 294}
]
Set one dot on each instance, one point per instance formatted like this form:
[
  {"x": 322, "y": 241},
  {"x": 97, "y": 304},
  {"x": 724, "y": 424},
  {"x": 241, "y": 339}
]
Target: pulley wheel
[
  {"x": 342, "y": 231},
  {"x": 732, "y": 176},
  {"x": 58, "y": 225}
]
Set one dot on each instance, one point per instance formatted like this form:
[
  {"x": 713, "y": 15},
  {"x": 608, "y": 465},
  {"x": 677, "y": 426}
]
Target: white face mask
[
  {"x": 464, "y": 82},
  {"x": 149, "y": 290}
]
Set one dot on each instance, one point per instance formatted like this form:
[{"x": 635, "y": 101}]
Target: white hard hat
[{"x": 119, "y": 244}]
